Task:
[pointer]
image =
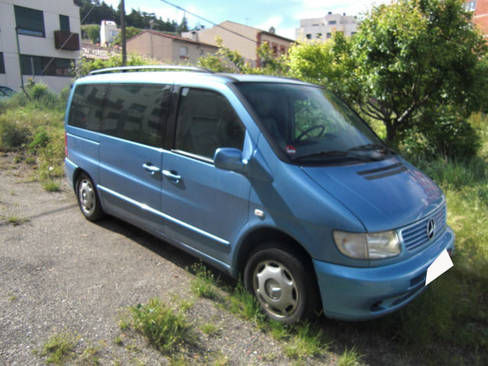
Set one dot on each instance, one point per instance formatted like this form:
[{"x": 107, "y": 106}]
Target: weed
[
  {"x": 59, "y": 348},
  {"x": 124, "y": 324},
  {"x": 350, "y": 357},
  {"x": 244, "y": 304},
  {"x": 305, "y": 343},
  {"x": 51, "y": 186},
  {"x": 221, "y": 360},
  {"x": 183, "y": 304},
  {"x": 90, "y": 356},
  {"x": 210, "y": 329},
  {"x": 16, "y": 221},
  {"x": 164, "y": 328},
  {"x": 118, "y": 341},
  {"x": 132, "y": 348},
  {"x": 203, "y": 285}
]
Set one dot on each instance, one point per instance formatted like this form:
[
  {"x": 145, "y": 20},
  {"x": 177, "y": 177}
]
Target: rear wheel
[
  {"x": 87, "y": 198},
  {"x": 279, "y": 280}
]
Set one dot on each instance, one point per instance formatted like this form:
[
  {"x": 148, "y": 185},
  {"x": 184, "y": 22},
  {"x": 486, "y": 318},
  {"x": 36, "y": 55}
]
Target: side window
[
  {"x": 87, "y": 107},
  {"x": 137, "y": 112},
  {"x": 206, "y": 121}
]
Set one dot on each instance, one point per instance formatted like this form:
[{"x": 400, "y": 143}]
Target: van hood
[{"x": 384, "y": 195}]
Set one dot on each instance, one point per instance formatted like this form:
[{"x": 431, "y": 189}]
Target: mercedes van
[{"x": 273, "y": 180}]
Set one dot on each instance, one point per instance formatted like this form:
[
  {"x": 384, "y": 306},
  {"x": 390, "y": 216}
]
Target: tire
[
  {"x": 285, "y": 289},
  {"x": 88, "y": 198}
]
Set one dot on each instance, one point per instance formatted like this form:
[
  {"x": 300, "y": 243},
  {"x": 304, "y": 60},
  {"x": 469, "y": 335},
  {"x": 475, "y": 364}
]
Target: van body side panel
[
  {"x": 83, "y": 150},
  {"x": 213, "y": 204},
  {"x": 126, "y": 186}
]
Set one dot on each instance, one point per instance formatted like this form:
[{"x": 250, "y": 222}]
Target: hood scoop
[{"x": 383, "y": 172}]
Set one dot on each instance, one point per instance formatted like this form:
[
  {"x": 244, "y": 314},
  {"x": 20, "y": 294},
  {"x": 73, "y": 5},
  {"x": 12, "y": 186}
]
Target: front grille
[{"x": 415, "y": 236}]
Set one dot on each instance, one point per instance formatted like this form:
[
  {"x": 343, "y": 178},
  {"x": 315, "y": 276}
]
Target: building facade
[
  {"x": 480, "y": 14},
  {"x": 168, "y": 48},
  {"x": 243, "y": 39},
  {"x": 39, "y": 40},
  {"x": 321, "y": 29}
]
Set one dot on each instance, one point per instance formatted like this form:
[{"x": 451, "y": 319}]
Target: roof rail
[{"x": 148, "y": 67}]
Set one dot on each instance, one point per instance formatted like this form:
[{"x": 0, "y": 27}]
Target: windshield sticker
[{"x": 290, "y": 149}]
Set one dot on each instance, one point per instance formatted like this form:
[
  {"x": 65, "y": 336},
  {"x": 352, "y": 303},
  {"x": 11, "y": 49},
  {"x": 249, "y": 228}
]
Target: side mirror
[{"x": 229, "y": 158}]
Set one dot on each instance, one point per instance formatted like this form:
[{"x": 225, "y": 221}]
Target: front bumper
[{"x": 351, "y": 293}]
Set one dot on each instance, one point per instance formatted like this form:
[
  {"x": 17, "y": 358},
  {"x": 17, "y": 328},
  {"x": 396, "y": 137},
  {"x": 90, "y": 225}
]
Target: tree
[
  {"x": 91, "y": 32},
  {"x": 130, "y": 32},
  {"x": 405, "y": 58}
]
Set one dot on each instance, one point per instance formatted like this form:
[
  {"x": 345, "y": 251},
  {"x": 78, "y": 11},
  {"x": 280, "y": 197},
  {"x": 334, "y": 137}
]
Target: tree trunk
[{"x": 391, "y": 133}]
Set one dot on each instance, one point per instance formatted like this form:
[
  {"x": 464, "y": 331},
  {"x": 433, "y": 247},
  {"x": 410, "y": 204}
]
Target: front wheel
[
  {"x": 87, "y": 198},
  {"x": 283, "y": 287}
]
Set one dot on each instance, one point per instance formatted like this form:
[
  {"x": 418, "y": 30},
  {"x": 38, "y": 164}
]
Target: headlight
[{"x": 368, "y": 245}]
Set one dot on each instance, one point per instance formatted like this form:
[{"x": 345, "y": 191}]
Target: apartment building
[
  {"x": 168, "y": 48},
  {"x": 243, "y": 39},
  {"x": 480, "y": 14},
  {"x": 39, "y": 40},
  {"x": 321, "y": 29}
]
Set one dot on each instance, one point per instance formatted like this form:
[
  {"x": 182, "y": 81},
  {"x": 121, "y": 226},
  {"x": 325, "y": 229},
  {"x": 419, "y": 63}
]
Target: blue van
[{"x": 270, "y": 179}]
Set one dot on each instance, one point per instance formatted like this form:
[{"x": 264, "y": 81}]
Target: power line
[{"x": 209, "y": 21}]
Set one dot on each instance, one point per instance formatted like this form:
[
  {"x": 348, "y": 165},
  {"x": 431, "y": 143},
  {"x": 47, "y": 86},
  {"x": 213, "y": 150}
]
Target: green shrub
[
  {"x": 442, "y": 133},
  {"x": 12, "y": 135},
  {"x": 40, "y": 140}
]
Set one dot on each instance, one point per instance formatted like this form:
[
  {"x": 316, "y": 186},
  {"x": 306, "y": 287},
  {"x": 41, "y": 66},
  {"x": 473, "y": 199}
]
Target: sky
[{"x": 283, "y": 15}]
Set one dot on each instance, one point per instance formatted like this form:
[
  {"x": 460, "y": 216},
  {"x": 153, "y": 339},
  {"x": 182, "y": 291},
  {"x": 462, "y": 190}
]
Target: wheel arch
[{"x": 262, "y": 235}]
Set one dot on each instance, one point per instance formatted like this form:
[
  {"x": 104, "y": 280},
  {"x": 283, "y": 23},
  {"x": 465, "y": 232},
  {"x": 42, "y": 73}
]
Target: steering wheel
[{"x": 310, "y": 129}]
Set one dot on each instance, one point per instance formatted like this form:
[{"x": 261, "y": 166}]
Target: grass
[
  {"x": 163, "y": 327},
  {"x": 350, "y": 357},
  {"x": 306, "y": 342},
  {"x": 210, "y": 329},
  {"x": 203, "y": 285},
  {"x": 51, "y": 186},
  {"x": 59, "y": 348},
  {"x": 16, "y": 220}
]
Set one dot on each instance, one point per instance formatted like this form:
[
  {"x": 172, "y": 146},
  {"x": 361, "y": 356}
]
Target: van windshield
[{"x": 310, "y": 124}]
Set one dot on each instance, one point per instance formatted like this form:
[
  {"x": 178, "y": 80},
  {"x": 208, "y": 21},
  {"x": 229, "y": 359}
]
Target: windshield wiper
[
  {"x": 333, "y": 154},
  {"x": 372, "y": 147}
]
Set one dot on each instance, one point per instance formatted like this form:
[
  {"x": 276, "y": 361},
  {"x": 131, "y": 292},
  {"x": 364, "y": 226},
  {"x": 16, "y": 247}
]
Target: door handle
[
  {"x": 150, "y": 168},
  {"x": 173, "y": 176}
]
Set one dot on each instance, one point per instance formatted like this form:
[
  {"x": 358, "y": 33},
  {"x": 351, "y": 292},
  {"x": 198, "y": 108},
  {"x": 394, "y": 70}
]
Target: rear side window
[
  {"x": 137, "y": 112},
  {"x": 87, "y": 106},
  {"x": 206, "y": 121},
  {"x": 133, "y": 112}
]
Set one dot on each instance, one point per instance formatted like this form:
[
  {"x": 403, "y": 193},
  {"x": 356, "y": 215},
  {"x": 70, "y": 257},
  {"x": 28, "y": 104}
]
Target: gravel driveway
[{"x": 61, "y": 273}]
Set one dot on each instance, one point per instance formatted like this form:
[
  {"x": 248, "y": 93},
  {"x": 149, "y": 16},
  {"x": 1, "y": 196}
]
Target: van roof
[{"x": 183, "y": 77}]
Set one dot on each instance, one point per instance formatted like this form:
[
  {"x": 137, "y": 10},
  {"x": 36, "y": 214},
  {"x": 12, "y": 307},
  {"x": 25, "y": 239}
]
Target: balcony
[{"x": 66, "y": 41}]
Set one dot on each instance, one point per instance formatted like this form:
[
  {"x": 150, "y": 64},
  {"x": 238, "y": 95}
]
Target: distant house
[
  {"x": 39, "y": 40},
  {"x": 108, "y": 32},
  {"x": 480, "y": 14},
  {"x": 168, "y": 48},
  {"x": 243, "y": 39},
  {"x": 321, "y": 29}
]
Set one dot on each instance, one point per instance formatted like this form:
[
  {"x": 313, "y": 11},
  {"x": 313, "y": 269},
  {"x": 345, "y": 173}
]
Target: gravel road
[{"x": 61, "y": 273}]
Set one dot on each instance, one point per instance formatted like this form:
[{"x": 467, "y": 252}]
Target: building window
[
  {"x": 64, "y": 23},
  {"x": 332, "y": 21},
  {"x": 46, "y": 66},
  {"x": 309, "y": 36},
  {"x": 29, "y": 21},
  {"x": 2, "y": 64},
  {"x": 282, "y": 50},
  {"x": 183, "y": 53},
  {"x": 329, "y": 35}
]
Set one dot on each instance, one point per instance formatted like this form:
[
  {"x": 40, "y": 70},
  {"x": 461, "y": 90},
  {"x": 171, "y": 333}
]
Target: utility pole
[{"x": 123, "y": 34}]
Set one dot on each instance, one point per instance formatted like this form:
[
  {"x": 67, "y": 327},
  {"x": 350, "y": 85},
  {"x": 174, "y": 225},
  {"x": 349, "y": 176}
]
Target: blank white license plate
[{"x": 441, "y": 264}]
